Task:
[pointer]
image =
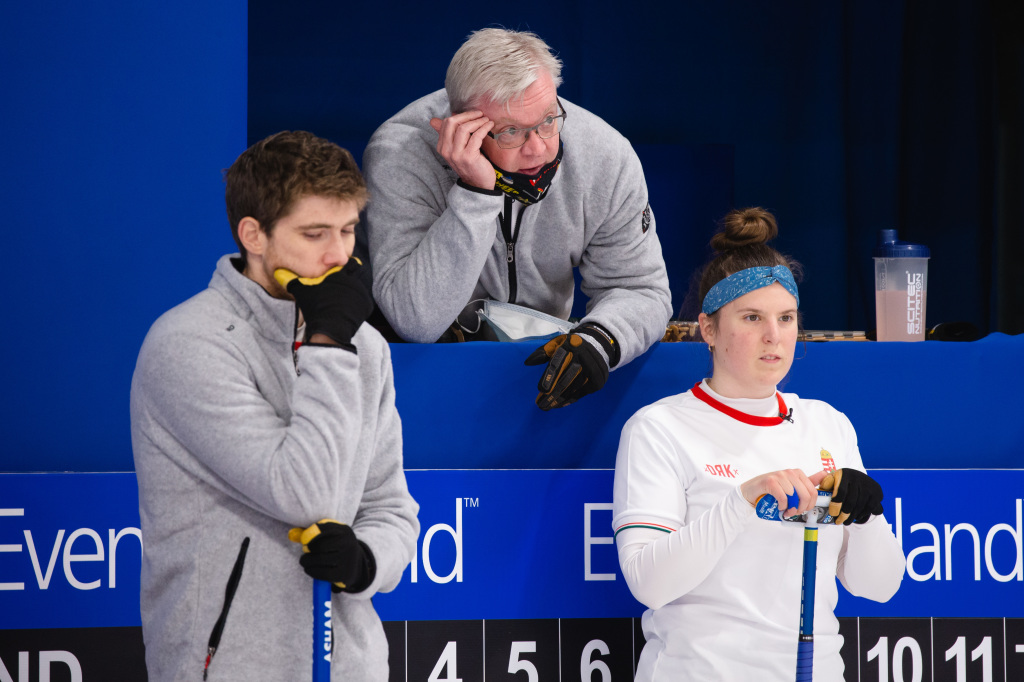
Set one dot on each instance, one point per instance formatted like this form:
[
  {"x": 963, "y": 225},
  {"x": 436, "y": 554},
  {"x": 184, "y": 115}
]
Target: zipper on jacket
[
  {"x": 510, "y": 244},
  {"x": 296, "y": 344},
  {"x": 229, "y": 595}
]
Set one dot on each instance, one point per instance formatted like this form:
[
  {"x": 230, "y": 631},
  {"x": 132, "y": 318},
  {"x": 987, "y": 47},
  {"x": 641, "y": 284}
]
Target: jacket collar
[{"x": 274, "y": 317}]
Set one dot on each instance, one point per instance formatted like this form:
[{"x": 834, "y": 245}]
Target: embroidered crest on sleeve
[
  {"x": 645, "y": 219},
  {"x": 827, "y": 463}
]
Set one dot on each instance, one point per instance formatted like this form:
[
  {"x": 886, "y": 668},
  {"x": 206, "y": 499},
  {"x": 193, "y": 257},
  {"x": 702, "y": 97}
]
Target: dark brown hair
[
  {"x": 266, "y": 181},
  {"x": 742, "y": 244}
]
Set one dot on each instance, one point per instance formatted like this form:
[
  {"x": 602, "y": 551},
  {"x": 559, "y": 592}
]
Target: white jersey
[{"x": 723, "y": 586}]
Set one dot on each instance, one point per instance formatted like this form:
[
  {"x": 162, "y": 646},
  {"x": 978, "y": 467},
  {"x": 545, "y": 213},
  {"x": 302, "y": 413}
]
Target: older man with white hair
[{"x": 494, "y": 189}]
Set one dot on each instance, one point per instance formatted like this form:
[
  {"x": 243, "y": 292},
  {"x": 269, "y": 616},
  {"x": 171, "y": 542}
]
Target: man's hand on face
[
  {"x": 459, "y": 140},
  {"x": 333, "y": 305}
]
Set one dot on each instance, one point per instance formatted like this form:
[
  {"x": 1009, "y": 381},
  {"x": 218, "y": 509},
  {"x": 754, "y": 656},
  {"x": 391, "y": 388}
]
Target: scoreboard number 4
[{"x": 447, "y": 663}]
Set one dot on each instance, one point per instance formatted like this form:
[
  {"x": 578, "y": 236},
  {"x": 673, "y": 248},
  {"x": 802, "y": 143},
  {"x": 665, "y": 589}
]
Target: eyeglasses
[{"x": 516, "y": 137}]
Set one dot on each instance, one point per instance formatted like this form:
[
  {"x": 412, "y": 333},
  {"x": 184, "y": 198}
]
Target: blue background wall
[
  {"x": 117, "y": 118},
  {"x": 842, "y": 118}
]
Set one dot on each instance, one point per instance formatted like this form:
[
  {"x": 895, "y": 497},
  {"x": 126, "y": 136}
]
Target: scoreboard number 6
[{"x": 588, "y": 665}]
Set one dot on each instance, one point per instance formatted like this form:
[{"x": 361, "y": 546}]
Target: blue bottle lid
[{"x": 890, "y": 247}]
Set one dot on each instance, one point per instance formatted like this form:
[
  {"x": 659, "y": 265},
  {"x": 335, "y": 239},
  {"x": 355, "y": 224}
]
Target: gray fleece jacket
[
  {"x": 435, "y": 245},
  {"x": 234, "y": 438}
]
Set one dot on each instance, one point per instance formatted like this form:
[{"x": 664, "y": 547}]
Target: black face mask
[{"x": 528, "y": 189}]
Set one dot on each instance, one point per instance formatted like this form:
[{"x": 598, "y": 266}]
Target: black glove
[
  {"x": 856, "y": 497},
  {"x": 575, "y": 368},
  {"x": 334, "y": 304},
  {"x": 331, "y": 552}
]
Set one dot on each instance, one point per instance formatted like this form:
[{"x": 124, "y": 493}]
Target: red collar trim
[{"x": 784, "y": 413}]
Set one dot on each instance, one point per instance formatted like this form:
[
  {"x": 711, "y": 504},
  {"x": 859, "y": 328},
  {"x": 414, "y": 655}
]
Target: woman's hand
[{"x": 780, "y": 485}]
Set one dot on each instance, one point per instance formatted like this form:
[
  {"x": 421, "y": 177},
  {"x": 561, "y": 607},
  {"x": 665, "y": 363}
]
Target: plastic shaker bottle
[{"x": 901, "y": 288}]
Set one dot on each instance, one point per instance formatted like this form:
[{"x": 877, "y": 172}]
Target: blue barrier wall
[
  {"x": 914, "y": 405},
  {"x": 471, "y": 406},
  {"x": 522, "y": 556},
  {"x": 510, "y": 544}
]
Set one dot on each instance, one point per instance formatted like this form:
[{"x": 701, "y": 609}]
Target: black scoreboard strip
[
  {"x": 605, "y": 649},
  {"x": 561, "y": 650}
]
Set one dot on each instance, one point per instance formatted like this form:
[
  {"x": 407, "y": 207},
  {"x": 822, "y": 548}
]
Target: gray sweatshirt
[
  {"x": 235, "y": 438},
  {"x": 435, "y": 245}
]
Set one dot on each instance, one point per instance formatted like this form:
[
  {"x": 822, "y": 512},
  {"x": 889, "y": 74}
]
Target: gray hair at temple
[{"x": 497, "y": 65}]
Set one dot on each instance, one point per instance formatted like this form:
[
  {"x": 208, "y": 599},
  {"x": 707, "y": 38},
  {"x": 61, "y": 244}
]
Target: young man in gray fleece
[
  {"x": 266, "y": 442},
  {"x": 496, "y": 188}
]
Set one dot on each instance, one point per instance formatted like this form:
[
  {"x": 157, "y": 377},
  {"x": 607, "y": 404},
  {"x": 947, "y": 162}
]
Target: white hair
[{"x": 497, "y": 65}]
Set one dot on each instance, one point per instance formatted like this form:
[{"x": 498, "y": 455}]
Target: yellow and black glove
[
  {"x": 334, "y": 304},
  {"x": 575, "y": 367},
  {"x": 856, "y": 497},
  {"x": 331, "y": 552}
]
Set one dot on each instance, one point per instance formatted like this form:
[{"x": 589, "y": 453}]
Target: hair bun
[{"x": 745, "y": 227}]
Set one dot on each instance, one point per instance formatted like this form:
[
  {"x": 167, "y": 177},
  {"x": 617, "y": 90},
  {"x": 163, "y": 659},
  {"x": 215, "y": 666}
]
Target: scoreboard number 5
[{"x": 515, "y": 664}]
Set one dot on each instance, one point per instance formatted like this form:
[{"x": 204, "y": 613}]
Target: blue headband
[{"x": 745, "y": 281}]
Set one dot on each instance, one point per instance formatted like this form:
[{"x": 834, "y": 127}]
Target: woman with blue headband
[{"x": 722, "y": 586}]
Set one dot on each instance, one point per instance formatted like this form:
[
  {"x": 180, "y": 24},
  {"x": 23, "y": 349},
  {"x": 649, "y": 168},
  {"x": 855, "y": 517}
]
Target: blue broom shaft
[
  {"x": 805, "y": 645},
  {"x": 807, "y": 590},
  {"x": 322, "y": 634}
]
